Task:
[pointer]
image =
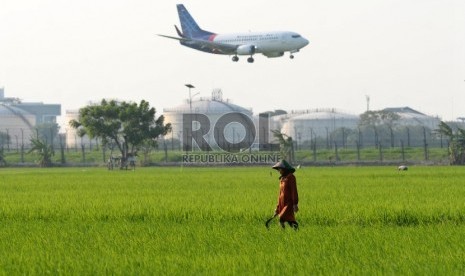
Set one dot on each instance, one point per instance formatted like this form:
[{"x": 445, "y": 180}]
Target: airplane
[{"x": 271, "y": 44}]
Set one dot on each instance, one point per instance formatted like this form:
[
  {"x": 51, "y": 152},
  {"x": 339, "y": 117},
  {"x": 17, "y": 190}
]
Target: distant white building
[
  {"x": 411, "y": 117},
  {"x": 318, "y": 123},
  {"x": 213, "y": 109},
  {"x": 19, "y": 120},
  {"x": 18, "y": 124},
  {"x": 71, "y": 134}
]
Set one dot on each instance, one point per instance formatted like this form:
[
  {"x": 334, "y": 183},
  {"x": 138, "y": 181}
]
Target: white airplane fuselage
[{"x": 271, "y": 44}]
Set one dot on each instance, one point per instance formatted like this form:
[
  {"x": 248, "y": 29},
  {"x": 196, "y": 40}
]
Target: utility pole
[{"x": 190, "y": 86}]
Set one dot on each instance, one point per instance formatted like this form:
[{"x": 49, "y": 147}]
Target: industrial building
[
  {"x": 411, "y": 117},
  {"x": 71, "y": 134},
  {"x": 209, "y": 112},
  {"x": 308, "y": 124},
  {"x": 19, "y": 120},
  {"x": 327, "y": 125}
]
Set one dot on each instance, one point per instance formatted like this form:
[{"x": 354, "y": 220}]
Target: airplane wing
[{"x": 214, "y": 47}]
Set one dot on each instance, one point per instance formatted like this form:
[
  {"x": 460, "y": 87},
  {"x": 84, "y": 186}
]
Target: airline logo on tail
[
  {"x": 188, "y": 24},
  {"x": 270, "y": 44}
]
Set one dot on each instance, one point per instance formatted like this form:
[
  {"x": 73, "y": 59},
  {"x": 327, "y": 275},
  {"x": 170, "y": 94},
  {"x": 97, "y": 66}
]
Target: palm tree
[
  {"x": 44, "y": 150},
  {"x": 456, "y": 143},
  {"x": 286, "y": 145}
]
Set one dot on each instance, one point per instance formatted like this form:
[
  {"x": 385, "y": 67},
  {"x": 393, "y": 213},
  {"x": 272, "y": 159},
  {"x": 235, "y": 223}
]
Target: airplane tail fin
[{"x": 189, "y": 27}]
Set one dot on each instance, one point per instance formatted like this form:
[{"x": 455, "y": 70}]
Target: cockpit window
[{"x": 295, "y": 36}]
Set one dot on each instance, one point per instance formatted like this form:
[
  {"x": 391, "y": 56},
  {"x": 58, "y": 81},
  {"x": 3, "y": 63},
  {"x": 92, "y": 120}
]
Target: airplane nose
[{"x": 305, "y": 42}]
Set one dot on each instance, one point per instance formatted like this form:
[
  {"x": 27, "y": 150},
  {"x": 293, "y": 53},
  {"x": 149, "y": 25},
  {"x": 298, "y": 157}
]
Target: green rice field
[{"x": 210, "y": 221}]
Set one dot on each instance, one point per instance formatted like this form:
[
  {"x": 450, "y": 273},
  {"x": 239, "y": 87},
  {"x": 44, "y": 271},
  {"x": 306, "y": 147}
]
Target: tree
[
  {"x": 48, "y": 131},
  {"x": 381, "y": 121},
  {"x": 456, "y": 143},
  {"x": 286, "y": 145},
  {"x": 44, "y": 150},
  {"x": 146, "y": 148},
  {"x": 127, "y": 125},
  {"x": 379, "y": 117},
  {"x": 2, "y": 158}
]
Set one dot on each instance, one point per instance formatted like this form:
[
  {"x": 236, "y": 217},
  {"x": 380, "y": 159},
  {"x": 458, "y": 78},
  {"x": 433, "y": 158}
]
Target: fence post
[
  {"x": 336, "y": 153},
  {"x": 165, "y": 148},
  {"x": 402, "y": 149},
  {"x": 314, "y": 150},
  {"x": 392, "y": 136},
  {"x": 62, "y": 151},
  {"x": 344, "y": 137},
  {"x": 380, "y": 152},
  {"x": 22, "y": 153},
  {"x": 425, "y": 144},
  {"x": 327, "y": 138},
  {"x": 408, "y": 137},
  {"x": 83, "y": 153},
  {"x": 8, "y": 139}
]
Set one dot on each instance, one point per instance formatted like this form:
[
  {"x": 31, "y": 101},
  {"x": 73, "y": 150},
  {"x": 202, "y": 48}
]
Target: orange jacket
[{"x": 288, "y": 197}]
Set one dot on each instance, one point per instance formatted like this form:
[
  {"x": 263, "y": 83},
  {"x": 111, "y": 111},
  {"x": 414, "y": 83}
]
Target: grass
[
  {"x": 435, "y": 155},
  {"x": 178, "y": 221}
]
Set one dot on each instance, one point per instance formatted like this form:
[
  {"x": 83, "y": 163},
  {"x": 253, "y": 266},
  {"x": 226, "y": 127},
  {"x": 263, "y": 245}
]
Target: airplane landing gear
[
  {"x": 250, "y": 60},
  {"x": 235, "y": 58}
]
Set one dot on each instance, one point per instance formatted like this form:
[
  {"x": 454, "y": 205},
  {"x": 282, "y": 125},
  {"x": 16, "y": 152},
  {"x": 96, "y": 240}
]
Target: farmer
[{"x": 288, "y": 197}]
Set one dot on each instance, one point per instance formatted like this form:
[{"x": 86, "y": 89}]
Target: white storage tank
[
  {"x": 213, "y": 108},
  {"x": 318, "y": 123}
]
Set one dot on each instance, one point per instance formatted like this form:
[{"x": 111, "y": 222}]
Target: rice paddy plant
[{"x": 178, "y": 221}]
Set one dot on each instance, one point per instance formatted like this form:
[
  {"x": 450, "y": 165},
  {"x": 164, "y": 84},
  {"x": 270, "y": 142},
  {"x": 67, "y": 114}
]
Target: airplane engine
[
  {"x": 274, "y": 54},
  {"x": 246, "y": 50}
]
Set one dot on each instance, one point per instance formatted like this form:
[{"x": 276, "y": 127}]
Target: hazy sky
[{"x": 399, "y": 52}]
